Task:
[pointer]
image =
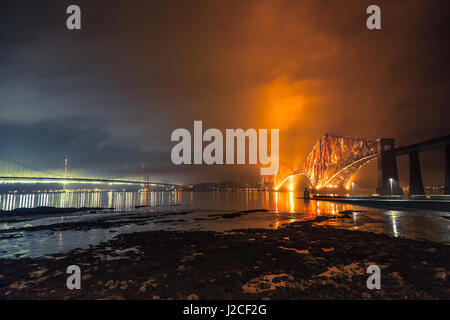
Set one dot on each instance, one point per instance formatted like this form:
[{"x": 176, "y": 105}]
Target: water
[
  {"x": 192, "y": 211},
  {"x": 120, "y": 201}
]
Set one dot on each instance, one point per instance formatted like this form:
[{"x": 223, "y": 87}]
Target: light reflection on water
[
  {"x": 120, "y": 201},
  {"x": 127, "y": 201},
  {"x": 284, "y": 208}
]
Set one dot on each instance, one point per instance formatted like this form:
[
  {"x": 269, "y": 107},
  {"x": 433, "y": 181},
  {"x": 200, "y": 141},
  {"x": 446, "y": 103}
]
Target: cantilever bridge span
[
  {"x": 332, "y": 161},
  {"x": 335, "y": 159}
]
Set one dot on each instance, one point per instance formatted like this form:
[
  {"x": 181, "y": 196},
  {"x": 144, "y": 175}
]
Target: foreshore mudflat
[{"x": 299, "y": 261}]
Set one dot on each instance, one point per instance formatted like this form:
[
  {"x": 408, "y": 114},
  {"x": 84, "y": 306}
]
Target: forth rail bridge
[{"x": 333, "y": 161}]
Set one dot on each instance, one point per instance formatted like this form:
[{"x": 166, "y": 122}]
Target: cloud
[{"x": 138, "y": 71}]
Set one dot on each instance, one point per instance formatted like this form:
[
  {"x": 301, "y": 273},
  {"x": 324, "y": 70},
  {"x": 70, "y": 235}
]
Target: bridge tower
[
  {"x": 146, "y": 187},
  {"x": 447, "y": 169},
  {"x": 66, "y": 165},
  {"x": 415, "y": 175},
  {"x": 388, "y": 183}
]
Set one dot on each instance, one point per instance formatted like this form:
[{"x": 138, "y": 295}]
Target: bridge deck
[{"x": 7, "y": 179}]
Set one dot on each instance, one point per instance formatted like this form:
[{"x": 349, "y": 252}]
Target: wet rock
[
  {"x": 321, "y": 259},
  {"x": 299, "y": 286},
  {"x": 17, "y": 285},
  {"x": 37, "y": 274},
  {"x": 41, "y": 279},
  {"x": 111, "y": 284},
  {"x": 114, "y": 297},
  {"x": 310, "y": 261},
  {"x": 263, "y": 286},
  {"x": 332, "y": 283},
  {"x": 366, "y": 295},
  {"x": 441, "y": 275},
  {"x": 86, "y": 277}
]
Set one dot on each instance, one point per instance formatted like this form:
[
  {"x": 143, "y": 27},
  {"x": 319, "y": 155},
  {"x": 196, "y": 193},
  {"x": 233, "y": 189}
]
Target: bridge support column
[
  {"x": 388, "y": 183},
  {"x": 447, "y": 169},
  {"x": 415, "y": 175}
]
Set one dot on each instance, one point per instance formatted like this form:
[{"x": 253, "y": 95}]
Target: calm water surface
[{"x": 284, "y": 208}]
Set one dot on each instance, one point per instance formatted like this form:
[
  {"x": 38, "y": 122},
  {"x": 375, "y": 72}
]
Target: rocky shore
[{"x": 299, "y": 261}]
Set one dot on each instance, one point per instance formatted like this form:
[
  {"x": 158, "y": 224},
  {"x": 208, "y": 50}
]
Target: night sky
[{"x": 110, "y": 95}]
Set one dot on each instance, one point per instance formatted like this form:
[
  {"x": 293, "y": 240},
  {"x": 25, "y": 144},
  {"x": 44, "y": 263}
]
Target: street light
[
  {"x": 392, "y": 188},
  {"x": 353, "y": 187}
]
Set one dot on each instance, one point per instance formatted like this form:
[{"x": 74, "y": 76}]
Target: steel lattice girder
[
  {"x": 335, "y": 159},
  {"x": 283, "y": 172}
]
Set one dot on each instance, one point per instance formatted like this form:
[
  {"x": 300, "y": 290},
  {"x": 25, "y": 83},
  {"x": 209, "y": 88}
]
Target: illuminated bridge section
[
  {"x": 332, "y": 161},
  {"x": 14, "y": 172},
  {"x": 80, "y": 180}
]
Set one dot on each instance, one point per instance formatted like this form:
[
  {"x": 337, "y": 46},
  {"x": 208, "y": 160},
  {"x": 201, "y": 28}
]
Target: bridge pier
[
  {"x": 388, "y": 183},
  {"x": 415, "y": 175},
  {"x": 447, "y": 169}
]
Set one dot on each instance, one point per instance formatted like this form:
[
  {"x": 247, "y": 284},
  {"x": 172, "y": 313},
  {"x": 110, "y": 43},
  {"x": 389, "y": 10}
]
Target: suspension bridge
[{"x": 15, "y": 172}]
